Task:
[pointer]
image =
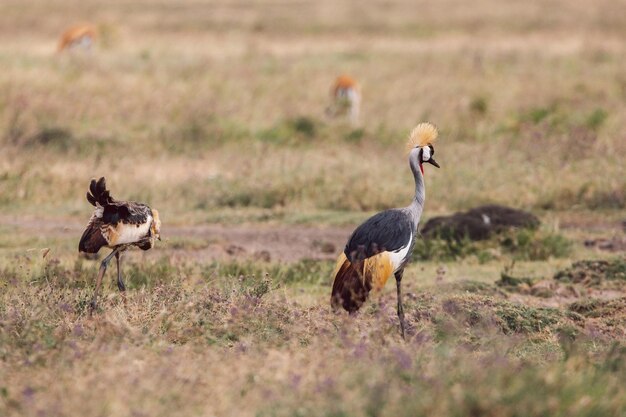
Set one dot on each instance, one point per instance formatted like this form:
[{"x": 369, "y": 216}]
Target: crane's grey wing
[{"x": 390, "y": 230}]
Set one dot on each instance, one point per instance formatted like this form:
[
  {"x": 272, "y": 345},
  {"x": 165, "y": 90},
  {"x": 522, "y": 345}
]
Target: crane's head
[
  {"x": 420, "y": 145},
  {"x": 156, "y": 224}
]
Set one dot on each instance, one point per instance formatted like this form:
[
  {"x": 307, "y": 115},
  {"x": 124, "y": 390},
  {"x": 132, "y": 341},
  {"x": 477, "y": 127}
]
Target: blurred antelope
[
  {"x": 346, "y": 98},
  {"x": 117, "y": 225},
  {"x": 78, "y": 37}
]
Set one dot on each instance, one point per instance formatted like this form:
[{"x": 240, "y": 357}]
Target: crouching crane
[
  {"x": 117, "y": 225},
  {"x": 382, "y": 245}
]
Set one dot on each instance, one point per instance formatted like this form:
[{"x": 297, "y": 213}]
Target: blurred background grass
[{"x": 210, "y": 106}]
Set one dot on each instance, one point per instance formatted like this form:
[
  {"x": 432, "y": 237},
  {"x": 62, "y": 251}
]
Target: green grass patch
[
  {"x": 594, "y": 272},
  {"x": 531, "y": 245},
  {"x": 306, "y": 271}
]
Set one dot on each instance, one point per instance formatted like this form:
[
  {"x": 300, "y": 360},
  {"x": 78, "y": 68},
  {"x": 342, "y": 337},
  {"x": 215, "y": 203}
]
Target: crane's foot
[
  {"x": 123, "y": 295},
  {"x": 92, "y": 307}
]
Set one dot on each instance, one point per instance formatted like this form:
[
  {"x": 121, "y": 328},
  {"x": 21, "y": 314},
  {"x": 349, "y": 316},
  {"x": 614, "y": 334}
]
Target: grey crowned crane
[
  {"x": 382, "y": 245},
  {"x": 117, "y": 225}
]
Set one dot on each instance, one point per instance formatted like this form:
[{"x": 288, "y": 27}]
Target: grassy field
[{"x": 213, "y": 112}]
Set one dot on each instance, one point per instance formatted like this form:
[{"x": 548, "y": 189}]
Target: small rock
[
  {"x": 542, "y": 289},
  {"x": 235, "y": 250},
  {"x": 523, "y": 288},
  {"x": 614, "y": 244},
  {"x": 324, "y": 247},
  {"x": 262, "y": 255}
]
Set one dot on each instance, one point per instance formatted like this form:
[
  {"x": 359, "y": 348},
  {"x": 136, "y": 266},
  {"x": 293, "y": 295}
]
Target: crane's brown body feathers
[
  {"x": 377, "y": 248},
  {"x": 354, "y": 280}
]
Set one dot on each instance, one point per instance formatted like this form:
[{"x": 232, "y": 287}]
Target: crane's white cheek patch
[{"x": 425, "y": 153}]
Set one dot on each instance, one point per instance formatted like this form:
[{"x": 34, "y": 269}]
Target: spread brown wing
[{"x": 92, "y": 240}]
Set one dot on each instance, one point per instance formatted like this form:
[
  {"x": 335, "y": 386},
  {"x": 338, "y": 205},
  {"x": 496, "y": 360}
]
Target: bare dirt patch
[
  {"x": 284, "y": 243},
  {"x": 275, "y": 243}
]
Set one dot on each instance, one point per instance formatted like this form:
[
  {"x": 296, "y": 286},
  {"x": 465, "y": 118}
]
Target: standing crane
[
  {"x": 79, "y": 36},
  {"x": 117, "y": 225},
  {"x": 346, "y": 98},
  {"x": 382, "y": 245}
]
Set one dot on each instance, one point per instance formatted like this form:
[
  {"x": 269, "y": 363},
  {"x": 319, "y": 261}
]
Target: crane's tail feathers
[
  {"x": 349, "y": 289},
  {"x": 354, "y": 281},
  {"x": 98, "y": 193}
]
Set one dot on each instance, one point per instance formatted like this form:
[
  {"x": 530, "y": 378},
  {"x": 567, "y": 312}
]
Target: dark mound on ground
[
  {"x": 612, "y": 244},
  {"x": 479, "y": 223},
  {"x": 51, "y": 136},
  {"x": 593, "y": 273}
]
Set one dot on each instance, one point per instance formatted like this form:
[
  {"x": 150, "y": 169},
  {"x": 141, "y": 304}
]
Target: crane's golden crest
[{"x": 422, "y": 135}]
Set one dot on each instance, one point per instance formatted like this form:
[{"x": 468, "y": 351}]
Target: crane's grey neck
[{"x": 417, "y": 205}]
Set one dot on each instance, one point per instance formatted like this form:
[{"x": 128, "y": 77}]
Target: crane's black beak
[{"x": 433, "y": 162}]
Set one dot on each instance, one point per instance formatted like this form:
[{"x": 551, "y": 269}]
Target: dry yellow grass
[{"x": 192, "y": 342}]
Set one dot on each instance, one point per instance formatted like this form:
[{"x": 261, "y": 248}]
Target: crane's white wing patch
[
  {"x": 398, "y": 257},
  {"x": 131, "y": 233}
]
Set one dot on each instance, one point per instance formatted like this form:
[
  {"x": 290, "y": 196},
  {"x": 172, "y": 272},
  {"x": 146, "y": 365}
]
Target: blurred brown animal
[
  {"x": 346, "y": 98},
  {"x": 78, "y": 37}
]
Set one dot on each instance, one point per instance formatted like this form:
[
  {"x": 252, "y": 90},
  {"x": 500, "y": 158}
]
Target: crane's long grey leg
[
  {"x": 103, "y": 269},
  {"x": 120, "y": 282},
  {"x": 398, "y": 275}
]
